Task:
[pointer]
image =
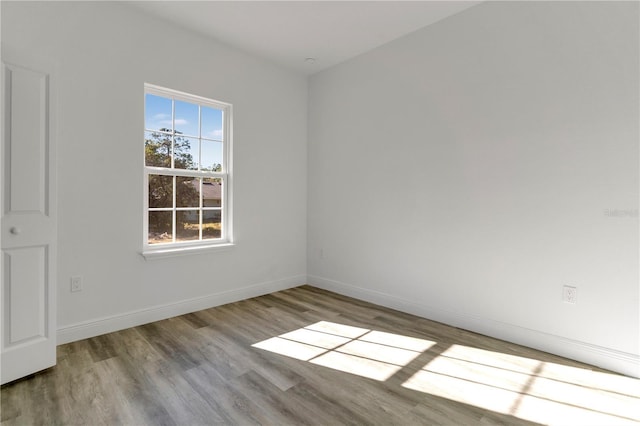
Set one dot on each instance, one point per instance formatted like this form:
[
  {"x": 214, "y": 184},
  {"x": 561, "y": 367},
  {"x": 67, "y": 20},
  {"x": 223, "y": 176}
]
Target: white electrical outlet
[
  {"x": 76, "y": 283},
  {"x": 569, "y": 294}
]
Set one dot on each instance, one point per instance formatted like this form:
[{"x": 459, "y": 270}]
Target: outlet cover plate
[
  {"x": 76, "y": 283},
  {"x": 570, "y": 294}
]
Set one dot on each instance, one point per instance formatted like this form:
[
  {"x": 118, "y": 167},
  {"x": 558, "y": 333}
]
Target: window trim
[{"x": 161, "y": 250}]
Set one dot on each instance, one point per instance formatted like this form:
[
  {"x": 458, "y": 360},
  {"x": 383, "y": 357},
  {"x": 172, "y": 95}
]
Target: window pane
[
  {"x": 212, "y": 192},
  {"x": 211, "y": 156},
  {"x": 157, "y": 149},
  {"x": 188, "y": 225},
  {"x": 157, "y": 113},
  {"x": 186, "y": 152},
  {"x": 211, "y": 123},
  {"x": 160, "y": 191},
  {"x": 211, "y": 224},
  {"x": 160, "y": 227},
  {"x": 187, "y": 192},
  {"x": 187, "y": 119},
  {"x": 185, "y": 168}
]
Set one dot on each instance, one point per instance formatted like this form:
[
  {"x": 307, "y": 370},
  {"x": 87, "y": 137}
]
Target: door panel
[
  {"x": 28, "y": 331},
  {"x": 27, "y": 286},
  {"x": 27, "y": 91}
]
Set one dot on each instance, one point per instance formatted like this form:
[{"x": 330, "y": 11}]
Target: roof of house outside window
[{"x": 210, "y": 190}]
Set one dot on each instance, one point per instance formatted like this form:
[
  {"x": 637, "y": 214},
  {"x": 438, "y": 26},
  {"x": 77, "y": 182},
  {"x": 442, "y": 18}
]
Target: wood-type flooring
[{"x": 306, "y": 356}]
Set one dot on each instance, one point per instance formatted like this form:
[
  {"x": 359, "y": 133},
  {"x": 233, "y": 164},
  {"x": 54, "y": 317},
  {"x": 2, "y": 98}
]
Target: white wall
[
  {"x": 103, "y": 53},
  {"x": 463, "y": 173}
]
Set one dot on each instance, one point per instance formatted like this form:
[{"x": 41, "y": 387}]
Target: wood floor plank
[
  {"x": 325, "y": 407},
  {"x": 306, "y": 356},
  {"x": 232, "y": 406},
  {"x": 271, "y": 399}
]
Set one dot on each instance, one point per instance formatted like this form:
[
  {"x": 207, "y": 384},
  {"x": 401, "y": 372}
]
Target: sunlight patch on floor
[
  {"x": 529, "y": 389},
  {"x": 541, "y": 392},
  {"x": 364, "y": 367},
  {"x": 338, "y": 329},
  {"x": 373, "y": 354},
  {"x": 290, "y": 348}
]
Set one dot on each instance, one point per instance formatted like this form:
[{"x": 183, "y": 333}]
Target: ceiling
[{"x": 288, "y": 32}]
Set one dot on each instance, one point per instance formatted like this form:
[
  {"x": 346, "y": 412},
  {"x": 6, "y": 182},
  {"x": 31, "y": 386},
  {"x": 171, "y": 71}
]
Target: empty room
[{"x": 320, "y": 212}]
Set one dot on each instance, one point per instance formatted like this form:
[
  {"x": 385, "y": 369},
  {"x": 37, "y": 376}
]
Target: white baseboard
[
  {"x": 610, "y": 359},
  {"x": 96, "y": 327}
]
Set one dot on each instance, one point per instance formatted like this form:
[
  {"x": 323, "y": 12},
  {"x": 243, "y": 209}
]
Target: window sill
[{"x": 184, "y": 251}]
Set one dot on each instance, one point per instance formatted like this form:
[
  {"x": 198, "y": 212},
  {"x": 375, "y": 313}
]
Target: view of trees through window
[{"x": 185, "y": 170}]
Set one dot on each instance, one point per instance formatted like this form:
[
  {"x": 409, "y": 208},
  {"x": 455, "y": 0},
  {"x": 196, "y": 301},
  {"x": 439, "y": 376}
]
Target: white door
[{"x": 27, "y": 204}]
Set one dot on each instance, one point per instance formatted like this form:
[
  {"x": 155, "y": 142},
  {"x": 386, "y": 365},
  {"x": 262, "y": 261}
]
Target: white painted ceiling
[{"x": 287, "y": 32}]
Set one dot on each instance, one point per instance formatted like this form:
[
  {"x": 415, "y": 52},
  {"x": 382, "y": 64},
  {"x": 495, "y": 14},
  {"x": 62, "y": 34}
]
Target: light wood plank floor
[{"x": 308, "y": 356}]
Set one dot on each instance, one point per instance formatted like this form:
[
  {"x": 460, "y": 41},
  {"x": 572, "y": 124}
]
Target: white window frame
[{"x": 174, "y": 248}]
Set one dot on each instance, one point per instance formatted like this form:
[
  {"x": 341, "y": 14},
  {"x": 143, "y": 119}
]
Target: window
[{"x": 186, "y": 171}]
